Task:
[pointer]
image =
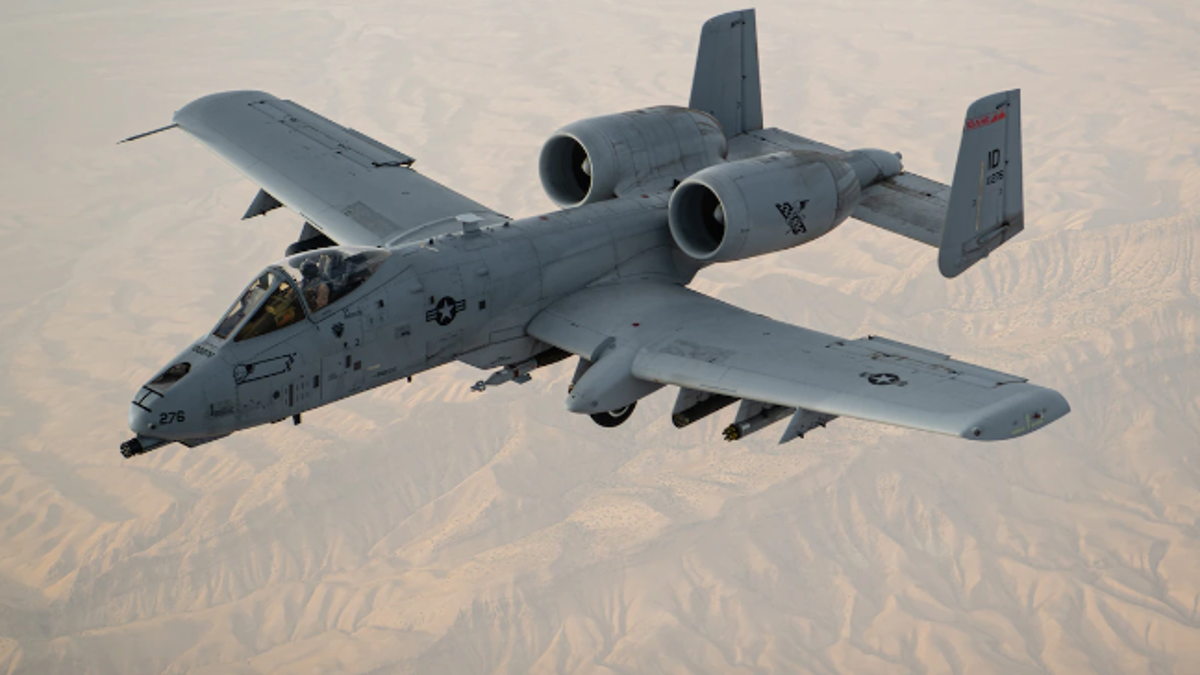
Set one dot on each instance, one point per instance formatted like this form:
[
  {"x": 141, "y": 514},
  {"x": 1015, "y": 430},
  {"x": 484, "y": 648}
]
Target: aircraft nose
[
  {"x": 141, "y": 419},
  {"x": 158, "y": 413},
  {"x": 142, "y": 423},
  {"x": 152, "y": 413},
  {"x": 171, "y": 406}
]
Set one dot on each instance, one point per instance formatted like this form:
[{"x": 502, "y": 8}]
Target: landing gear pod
[{"x": 608, "y": 384}]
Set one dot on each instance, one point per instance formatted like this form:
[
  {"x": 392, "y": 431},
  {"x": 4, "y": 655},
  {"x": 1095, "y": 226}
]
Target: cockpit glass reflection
[
  {"x": 171, "y": 375},
  {"x": 327, "y": 275},
  {"x": 249, "y": 299},
  {"x": 280, "y": 310}
]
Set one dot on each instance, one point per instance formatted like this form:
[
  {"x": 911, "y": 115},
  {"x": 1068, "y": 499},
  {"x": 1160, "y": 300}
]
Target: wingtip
[{"x": 1018, "y": 415}]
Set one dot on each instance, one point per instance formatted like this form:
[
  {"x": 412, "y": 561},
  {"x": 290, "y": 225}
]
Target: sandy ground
[{"x": 422, "y": 528}]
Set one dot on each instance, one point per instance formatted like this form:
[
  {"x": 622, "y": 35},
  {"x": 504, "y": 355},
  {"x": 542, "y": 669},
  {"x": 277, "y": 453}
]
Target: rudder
[{"x": 986, "y": 205}]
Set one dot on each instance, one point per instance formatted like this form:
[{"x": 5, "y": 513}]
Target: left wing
[
  {"x": 352, "y": 188},
  {"x": 683, "y": 338}
]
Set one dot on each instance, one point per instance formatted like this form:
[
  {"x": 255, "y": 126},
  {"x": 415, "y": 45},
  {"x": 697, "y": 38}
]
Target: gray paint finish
[{"x": 423, "y": 276}]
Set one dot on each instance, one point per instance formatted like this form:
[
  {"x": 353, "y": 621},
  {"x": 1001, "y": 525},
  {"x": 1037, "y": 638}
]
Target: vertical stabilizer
[
  {"x": 986, "y": 206},
  {"x": 726, "y": 82}
]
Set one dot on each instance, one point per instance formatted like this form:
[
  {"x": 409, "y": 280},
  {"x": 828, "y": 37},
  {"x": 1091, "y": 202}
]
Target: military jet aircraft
[{"x": 394, "y": 274}]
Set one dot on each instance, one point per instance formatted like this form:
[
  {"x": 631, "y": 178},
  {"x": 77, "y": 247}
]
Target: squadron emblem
[{"x": 793, "y": 215}]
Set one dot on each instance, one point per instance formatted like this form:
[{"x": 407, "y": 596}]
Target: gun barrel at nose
[{"x": 140, "y": 445}]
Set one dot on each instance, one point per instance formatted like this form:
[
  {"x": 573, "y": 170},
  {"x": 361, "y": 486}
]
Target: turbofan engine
[
  {"x": 598, "y": 158},
  {"x": 753, "y": 206}
]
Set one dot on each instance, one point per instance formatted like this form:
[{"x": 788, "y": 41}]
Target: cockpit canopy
[
  {"x": 311, "y": 281},
  {"x": 272, "y": 303},
  {"x": 327, "y": 275}
]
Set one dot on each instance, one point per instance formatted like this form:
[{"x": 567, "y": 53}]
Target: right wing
[
  {"x": 672, "y": 335},
  {"x": 352, "y": 188}
]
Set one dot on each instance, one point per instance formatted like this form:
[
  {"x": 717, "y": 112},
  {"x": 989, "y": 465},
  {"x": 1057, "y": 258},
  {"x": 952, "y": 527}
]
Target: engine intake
[{"x": 598, "y": 158}]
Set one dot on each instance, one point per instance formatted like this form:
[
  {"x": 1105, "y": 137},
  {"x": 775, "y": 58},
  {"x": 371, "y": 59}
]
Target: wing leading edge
[
  {"x": 353, "y": 188},
  {"x": 687, "y": 339}
]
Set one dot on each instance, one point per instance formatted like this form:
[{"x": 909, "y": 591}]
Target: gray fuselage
[{"x": 463, "y": 296}]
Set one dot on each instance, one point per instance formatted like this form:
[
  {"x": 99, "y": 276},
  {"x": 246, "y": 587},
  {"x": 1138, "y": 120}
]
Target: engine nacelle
[
  {"x": 595, "y": 159},
  {"x": 771, "y": 203}
]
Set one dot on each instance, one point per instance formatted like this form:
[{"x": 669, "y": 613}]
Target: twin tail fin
[{"x": 986, "y": 204}]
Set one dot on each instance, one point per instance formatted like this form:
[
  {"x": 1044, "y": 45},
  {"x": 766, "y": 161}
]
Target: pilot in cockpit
[
  {"x": 316, "y": 288},
  {"x": 325, "y": 276}
]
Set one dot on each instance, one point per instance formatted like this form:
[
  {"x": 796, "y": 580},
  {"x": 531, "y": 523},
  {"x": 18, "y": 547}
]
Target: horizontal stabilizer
[
  {"x": 983, "y": 209},
  {"x": 761, "y": 142},
  {"x": 909, "y": 205}
]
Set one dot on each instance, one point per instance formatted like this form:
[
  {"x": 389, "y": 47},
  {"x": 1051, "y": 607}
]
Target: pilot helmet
[{"x": 310, "y": 270}]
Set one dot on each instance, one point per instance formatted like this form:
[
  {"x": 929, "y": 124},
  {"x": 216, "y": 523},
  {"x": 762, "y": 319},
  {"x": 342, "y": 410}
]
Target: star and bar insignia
[{"x": 446, "y": 309}]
